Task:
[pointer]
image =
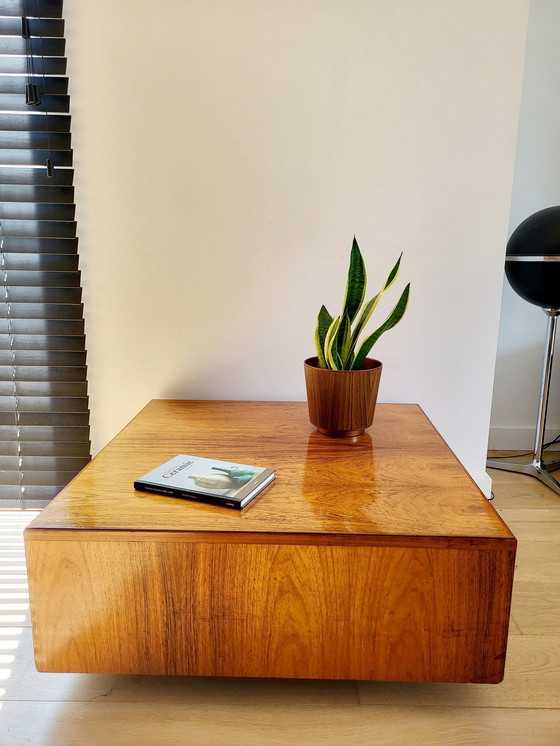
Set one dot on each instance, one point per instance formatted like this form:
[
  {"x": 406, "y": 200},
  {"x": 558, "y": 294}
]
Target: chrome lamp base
[{"x": 536, "y": 467}]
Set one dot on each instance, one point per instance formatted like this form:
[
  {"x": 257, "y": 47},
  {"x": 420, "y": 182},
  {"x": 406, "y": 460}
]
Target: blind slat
[
  {"x": 16, "y": 102},
  {"x": 36, "y": 342},
  {"x": 13, "y": 140},
  {"x": 42, "y": 262},
  {"x": 43, "y": 404},
  {"x": 25, "y": 294},
  {"x": 35, "y": 47},
  {"x": 24, "y": 504},
  {"x": 42, "y": 358},
  {"x": 39, "y": 478},
  {"x": 48, "y": 328},
  {"x": 30, "y": 193},
  {"x": 39, "y": 122},
  {"x": 45, "y": 27},
  {"x": 66, "y": 389},
  {"x": 32, "y": 497},
  {"x": 45, "y": 448},
  {"x": 36, "y": 211},
  {"x": 41, "y": 311},
  {"x": 45, "y": 433},
  {"x": 32, "y": 8},
  {"x": 44, "y": 463},
  {"x": 30, "y": 157},
  {"x": 70, "y": 419},
  {"x": 32, "y": 245},
  {"x": 42, "y": 228},
  {"x": 44, "y": 280},
  {"x": 47, "y": 84},
  {"x": 34, "y": 175},
  {"x": 43, "y": 373},
  {"x": 19, "y": 66}
]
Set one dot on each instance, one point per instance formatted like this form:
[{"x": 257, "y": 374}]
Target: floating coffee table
[{"x": 368, "y": 558}]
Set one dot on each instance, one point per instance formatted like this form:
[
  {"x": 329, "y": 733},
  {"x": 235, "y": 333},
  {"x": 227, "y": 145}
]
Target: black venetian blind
[{"x": 44, "y": 418}]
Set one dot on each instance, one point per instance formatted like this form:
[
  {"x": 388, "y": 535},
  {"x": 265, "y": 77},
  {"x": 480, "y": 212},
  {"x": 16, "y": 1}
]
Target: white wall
[
  {"x": 226, "y": 152},
  {"x": 536, "y": 186}
]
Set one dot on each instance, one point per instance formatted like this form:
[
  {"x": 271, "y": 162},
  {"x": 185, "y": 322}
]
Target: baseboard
[{"x": 516, "y": 438}]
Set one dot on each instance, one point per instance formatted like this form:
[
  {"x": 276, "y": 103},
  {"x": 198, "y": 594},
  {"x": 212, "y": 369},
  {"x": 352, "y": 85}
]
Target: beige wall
[{"x": 226, "y": 153}]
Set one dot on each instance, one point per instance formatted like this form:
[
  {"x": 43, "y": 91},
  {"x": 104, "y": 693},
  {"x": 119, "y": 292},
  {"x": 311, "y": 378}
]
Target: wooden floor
[{"x": 94, "y": 710}]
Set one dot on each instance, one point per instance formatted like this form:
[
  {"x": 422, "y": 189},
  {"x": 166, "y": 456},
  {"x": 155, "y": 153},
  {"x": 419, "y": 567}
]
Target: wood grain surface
[
  {"x": 398, "y": 479},
  {"x": 265, "y": 610}
]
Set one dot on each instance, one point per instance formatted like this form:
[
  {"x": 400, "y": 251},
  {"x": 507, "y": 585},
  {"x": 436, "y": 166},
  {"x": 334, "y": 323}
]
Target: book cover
[{"x": 224, "y": 483}]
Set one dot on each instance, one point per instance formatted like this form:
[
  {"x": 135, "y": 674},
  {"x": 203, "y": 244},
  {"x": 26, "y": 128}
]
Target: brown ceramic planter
[{"x": 342, "y": 402}]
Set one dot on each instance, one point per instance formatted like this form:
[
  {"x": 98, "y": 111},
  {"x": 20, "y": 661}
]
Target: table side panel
[{"x": 298, "y": 611}]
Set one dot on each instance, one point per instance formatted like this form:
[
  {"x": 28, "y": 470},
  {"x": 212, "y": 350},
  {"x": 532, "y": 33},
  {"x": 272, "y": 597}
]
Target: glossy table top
[{"x": 399, "y": 479}]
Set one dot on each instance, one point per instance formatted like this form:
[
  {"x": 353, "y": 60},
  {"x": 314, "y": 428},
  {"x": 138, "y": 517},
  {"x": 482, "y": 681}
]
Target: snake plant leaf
[
  {"x": 355, "y": 284},
  {"x": 365, "y": 316},
  {"x": 344, "y": 340},
  {"x": 324, "y": 320},
  {"x": 371, "y": 305},
  {"x": 394, "y": 317},
  {"x": 392, "y": 274},
  {"x": 331, "y": 353}
]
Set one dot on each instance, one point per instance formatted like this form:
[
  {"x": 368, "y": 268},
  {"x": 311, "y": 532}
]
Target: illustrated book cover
[{"x": 224, "y": 483}]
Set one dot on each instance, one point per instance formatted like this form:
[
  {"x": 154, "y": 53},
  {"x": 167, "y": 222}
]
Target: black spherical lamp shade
[{"x": 533, "y": 259}]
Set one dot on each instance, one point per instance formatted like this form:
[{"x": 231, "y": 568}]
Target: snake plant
[{"x": 336, "y": 339}]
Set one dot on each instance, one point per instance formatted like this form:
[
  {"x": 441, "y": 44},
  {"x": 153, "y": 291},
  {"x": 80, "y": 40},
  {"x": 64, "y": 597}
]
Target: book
[{"x": 205, "y": 480}]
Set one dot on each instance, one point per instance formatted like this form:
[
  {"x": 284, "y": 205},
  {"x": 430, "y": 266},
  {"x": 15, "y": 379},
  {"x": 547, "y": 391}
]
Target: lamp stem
[{"x": 552, "y": 314}]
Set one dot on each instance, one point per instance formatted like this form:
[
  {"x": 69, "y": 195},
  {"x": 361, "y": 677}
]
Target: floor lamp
[{"x": 533, "y": 271}]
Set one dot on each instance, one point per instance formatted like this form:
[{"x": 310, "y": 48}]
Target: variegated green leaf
[
  {"x": 330, "y": 344},
  {"x": 371, "y": 305},
  {"x": 324, "y": 320},
  {"x": 365, "y": 316},
  {"x": 344, "y": 339},
  {"x": 392, "y": 274},
  {"x": 394, "y": 317},
  {"x": 355, "y": 284}
]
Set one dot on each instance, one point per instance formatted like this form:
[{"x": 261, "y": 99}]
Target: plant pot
[{"x": 342, "y": 402}]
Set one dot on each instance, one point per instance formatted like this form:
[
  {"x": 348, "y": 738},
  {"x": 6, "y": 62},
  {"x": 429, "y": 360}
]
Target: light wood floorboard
[
  {"x": 528, "y": 515},
  {"x": 531, "y": 680},
  {"x": 536, "y": 607},
  {"x": 90, "y": 710},
  {"x": 161, "y": 724},
  {"x": 538, "y": 561},
  {"x": 529, "y": 531}
]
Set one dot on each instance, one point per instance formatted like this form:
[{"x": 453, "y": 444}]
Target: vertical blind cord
[
  {"x": 32, "y": 97},
  {"x": 50, "y": 168}
]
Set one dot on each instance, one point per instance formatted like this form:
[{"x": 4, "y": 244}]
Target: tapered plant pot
[{"x": 342, "y": 402}]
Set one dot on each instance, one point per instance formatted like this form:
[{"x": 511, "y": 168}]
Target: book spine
[{"x": 222, "y": 500}]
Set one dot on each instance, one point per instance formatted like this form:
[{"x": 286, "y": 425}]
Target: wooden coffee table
[{"x": 368, "y": 558}]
